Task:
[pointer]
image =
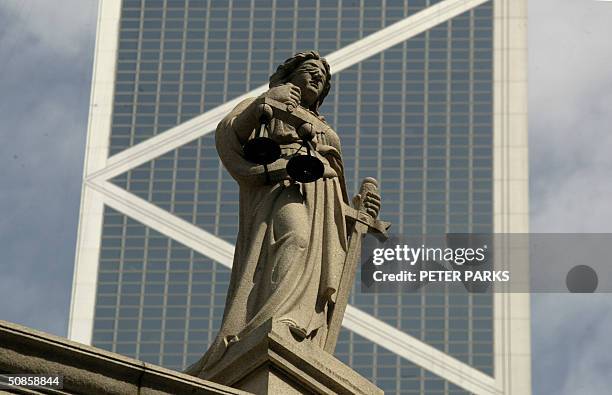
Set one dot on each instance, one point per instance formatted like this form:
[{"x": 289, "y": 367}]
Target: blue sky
[{"x": 46, "y": 54}]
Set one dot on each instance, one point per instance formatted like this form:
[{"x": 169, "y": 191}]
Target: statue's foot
[
  {"x": 228, "y": 340},
  {"x": 297, "y": 331}
]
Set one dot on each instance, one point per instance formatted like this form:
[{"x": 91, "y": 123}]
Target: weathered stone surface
[
  {"x": 299, "y": 240},
  {"x": 266, "y": 362},
  {"x": 89, "y": 370}
]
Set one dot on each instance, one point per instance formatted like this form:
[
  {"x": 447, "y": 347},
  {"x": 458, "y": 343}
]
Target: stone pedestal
[{"x": 270, "y": 361}]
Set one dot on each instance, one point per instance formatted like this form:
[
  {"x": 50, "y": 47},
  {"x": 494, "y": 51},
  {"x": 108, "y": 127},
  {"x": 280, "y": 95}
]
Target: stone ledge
[{"x": 90, "y": 370}]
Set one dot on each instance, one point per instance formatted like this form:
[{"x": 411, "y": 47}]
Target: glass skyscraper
[{"x": 438, "y": 118}]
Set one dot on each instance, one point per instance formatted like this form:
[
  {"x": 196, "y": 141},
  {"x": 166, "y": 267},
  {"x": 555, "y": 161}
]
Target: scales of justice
[{"x": 298, "y": 245}]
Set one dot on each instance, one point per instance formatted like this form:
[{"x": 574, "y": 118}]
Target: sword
[{"x": 364, "y": 223}]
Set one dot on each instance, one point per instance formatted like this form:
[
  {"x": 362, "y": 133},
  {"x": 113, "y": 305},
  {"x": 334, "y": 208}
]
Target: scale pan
[
  {"x": 305, "y": 168},
  {"x": 261, "y": 150}
]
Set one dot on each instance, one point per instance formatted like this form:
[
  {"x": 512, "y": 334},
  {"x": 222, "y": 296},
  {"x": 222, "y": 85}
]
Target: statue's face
[{"x": 310, "y": 78}]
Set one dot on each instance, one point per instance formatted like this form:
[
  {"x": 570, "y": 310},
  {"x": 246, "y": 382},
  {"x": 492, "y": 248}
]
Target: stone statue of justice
[{"x": 299, "y": 237}]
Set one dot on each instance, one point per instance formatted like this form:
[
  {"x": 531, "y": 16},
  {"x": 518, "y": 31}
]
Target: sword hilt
[
  {"x": 359, "y": 214},
  {"x": 368, "y": 185}
]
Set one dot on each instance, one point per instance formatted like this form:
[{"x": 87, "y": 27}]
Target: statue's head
[{"x": 310, "y": 72}]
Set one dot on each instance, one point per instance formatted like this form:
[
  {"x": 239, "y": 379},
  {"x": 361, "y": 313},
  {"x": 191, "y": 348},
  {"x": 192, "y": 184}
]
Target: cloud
[
  {"x": 569, "y": 101},
  {"x": 570, "y": 122},
  {"x": 47, "y": 49},
  {"x": 63, "y": 27},
  {"x": 571, "y": 344}
]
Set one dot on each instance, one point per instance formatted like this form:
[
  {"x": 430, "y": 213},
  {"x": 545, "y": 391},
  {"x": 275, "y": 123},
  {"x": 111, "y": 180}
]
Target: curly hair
[{"x": 284, "y": 72}]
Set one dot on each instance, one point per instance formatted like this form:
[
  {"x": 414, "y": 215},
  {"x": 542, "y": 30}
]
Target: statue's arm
[
  {"x": 248, "y": 113},
  {"x": 245, "y": 118},
  {"x": 231, "y": 134}
]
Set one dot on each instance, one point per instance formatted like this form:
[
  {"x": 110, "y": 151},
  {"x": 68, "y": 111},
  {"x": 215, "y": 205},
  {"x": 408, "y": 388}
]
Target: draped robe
[{"x": 291, "y": 243}]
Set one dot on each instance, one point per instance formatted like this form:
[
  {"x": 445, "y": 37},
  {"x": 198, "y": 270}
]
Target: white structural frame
[
  {"x": 512, "y": 330},
  {"x": 96, "y": 154},
  {"x": 511, "y": 311}
]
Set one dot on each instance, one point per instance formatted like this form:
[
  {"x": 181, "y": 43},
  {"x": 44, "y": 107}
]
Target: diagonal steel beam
[
  {"x": 161, "y": 220},
  {"x": 419, "y": 353},
  {"x": 355, "y": 320},
  {"x": 339, "y": 60}
]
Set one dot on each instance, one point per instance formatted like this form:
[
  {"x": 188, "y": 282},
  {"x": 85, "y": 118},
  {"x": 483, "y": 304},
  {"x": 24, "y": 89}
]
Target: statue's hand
[
  {"x": 307, "y": 132},
  {"x": 288, "y": 94},
  {"x": 370, "y": 203}
]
